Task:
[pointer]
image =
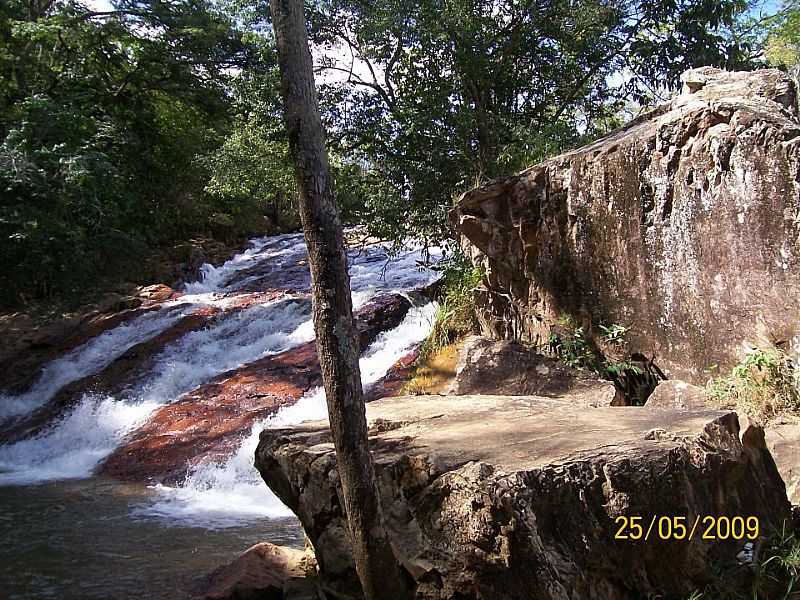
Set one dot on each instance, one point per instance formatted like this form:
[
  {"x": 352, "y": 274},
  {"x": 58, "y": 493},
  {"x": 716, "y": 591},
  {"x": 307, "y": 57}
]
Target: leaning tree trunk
[{"x": 337, "y": 345}]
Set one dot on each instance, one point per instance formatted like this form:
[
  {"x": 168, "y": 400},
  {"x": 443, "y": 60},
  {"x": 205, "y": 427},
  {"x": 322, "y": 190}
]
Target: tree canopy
[
  {"x": 450, "y": 92},
  {"x": 127, "y": 129}
]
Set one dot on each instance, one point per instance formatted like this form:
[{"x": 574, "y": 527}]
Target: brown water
[{"x": 78, "y": 540}]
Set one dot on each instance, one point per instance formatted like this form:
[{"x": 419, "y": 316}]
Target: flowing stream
[{"x": 70, "y": 534}]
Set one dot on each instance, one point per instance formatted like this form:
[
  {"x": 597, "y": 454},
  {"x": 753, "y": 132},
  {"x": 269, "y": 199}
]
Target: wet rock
[
  {"x": 182, "y": 263},
  {"x": 674, "y": 393},
  {"x": 113, "y": 380},
  {"x": 392, "y": 384},
  {"x": 157, "y": 293},
  {"x": 208, "y": 423},
  {"x": 260, "y": 573},
  {"x": 378, "y": 315},
  {"x": 519, "y": 497},
  {"x": 29, "y": 344},
  {"x": 681, "y": 226},
  {"x": 511, "y": 369},
  {"x": 285, "y": 271}
]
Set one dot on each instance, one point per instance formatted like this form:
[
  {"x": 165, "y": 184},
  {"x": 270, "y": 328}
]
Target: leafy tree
[
  {"x": 783, "y": 37},
  {"x": 442, "y": 94},
  {"x": 103, "y": 115},
  {"x": 251, "y": 172}
]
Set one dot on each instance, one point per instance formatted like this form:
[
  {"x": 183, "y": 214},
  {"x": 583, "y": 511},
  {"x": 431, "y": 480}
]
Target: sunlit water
[{"x": 69, "y": 535}]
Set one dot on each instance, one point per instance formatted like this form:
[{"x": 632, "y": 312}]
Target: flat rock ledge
[{"x": 518, "y": 497}]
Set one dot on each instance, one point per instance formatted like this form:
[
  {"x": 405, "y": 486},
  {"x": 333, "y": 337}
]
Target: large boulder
[
  {"x": 508, "y": 368},
  {"x": 682, "y": 226},
  {"x": 519, "y": 497}
]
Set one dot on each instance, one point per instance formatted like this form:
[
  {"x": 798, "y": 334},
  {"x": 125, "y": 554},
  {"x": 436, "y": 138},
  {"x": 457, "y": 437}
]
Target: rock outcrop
[
  {"x": 519, "y": 497},
  {"x": 683, "y": 226}
]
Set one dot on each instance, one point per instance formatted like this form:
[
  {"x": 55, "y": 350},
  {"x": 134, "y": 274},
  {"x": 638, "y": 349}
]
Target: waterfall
[{"x": 229, "y": 491}]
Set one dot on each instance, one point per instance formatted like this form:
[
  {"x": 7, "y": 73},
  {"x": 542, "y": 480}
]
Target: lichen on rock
[{"x": 683, "y": 226}]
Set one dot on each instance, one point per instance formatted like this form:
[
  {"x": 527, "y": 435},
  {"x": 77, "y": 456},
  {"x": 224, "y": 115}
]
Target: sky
[{"x": 99, "y": 5}]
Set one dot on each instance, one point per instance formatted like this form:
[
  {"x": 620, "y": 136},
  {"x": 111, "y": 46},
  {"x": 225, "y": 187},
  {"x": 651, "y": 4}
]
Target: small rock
[
  {"x": 260, "y": 572},
  {"x": 746, "y": 555},
  {"x": 674, "y": 393}
]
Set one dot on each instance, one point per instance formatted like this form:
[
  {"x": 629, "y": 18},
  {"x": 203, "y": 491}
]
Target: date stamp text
[{"x": 683, "y": 528}]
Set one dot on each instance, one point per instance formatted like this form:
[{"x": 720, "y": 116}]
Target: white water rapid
[{"x": 215, "y": 495}]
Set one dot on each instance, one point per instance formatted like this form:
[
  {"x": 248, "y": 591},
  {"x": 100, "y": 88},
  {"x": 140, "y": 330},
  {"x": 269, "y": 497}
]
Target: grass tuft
[
  {"x": 456, "y": 316},
  {"x": 764, "y": 385}
]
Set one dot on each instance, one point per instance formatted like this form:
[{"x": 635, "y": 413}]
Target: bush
[
  {"x": 456, "y": 316},
  {"x": 775, "y": 574},
  {"x": 764, "y": 385}
]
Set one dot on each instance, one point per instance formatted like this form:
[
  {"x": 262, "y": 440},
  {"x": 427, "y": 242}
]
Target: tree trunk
[{"x": 380, "y": 574}]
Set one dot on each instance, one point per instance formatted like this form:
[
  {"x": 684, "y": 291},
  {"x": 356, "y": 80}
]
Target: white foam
[
  {"x": 236, "y": 339},
  {"x": 231, "y": 493},
  {"x": 73, "y": 447},
  {"x": 88, "y": 359},
  {"x": 213, "y": 279}
]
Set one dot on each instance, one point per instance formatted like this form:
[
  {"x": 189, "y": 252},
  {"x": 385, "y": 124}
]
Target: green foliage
[
  {"x": 779, "y": 569},
  {"x": 104, "y": 120},
  {"x": 782, "y": 46},
  {"x": 776, "y": 575},
  {"x": 614, "y": 334},
  {"x": 252, "y": 175},
  {"x": 441, "y": 95},
  {"x": 764, "y": 384},
  {"x": 456, "y": 315},
  {"x": 575, "y": 349}
]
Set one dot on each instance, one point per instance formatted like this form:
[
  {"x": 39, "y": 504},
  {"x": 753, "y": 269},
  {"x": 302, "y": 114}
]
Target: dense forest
[{"x": 130, "y": 127}]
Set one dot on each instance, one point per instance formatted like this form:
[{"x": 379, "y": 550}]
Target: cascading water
[
  {"x": 74, "y": 446},
  {"x": 224, "y": 495},
  {"x": 219, "y": 495},
  {"x": 86, "y": 360}
]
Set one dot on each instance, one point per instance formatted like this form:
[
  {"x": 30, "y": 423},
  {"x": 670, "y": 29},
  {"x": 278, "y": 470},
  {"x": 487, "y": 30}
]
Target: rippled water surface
[{"x": 79, "y": 540}]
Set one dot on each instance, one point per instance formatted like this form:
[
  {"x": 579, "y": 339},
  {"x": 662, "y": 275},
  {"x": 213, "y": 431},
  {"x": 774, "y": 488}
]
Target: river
[{"x": 68, "y": 533}]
